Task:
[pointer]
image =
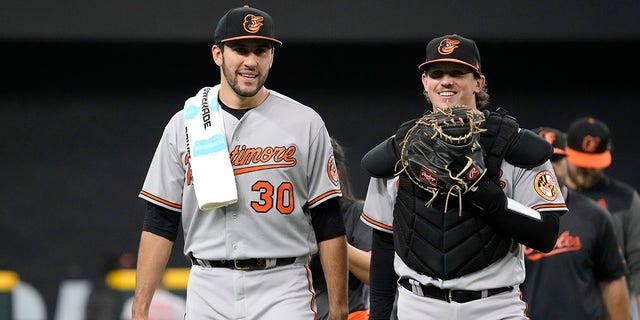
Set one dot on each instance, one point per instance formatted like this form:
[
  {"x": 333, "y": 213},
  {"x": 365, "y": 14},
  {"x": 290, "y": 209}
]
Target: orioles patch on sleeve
[
  {"x": 332, "y": 171},
  {"x": 546, "y": 186}
]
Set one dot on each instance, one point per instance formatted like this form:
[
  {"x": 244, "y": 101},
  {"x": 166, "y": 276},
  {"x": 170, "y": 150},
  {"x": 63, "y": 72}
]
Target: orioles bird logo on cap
[
  {"x": 447, "y": 46},
  {"x": 590, "y": 143},
  {"x": 252, "y": 23}
]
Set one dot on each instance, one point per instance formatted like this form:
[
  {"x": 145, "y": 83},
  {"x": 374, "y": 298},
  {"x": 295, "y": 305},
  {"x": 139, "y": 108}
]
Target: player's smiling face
[
  {"x": 245, "y": 65},
  {"x": 449, "y": 84}
]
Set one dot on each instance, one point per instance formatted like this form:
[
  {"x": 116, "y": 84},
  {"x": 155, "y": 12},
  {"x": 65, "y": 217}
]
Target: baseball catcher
[
  {"x": 441, "y": 154},
  {"x": 454, "y": 195}
]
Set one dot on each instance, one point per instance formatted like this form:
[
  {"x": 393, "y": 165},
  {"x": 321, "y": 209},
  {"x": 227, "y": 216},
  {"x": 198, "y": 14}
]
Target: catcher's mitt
[{"x": 441, "y": 153}]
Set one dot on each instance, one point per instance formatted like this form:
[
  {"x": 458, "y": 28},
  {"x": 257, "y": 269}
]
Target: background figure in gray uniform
[
  {"x": 465, "y": 262},
  {"x": 589, "y": 154},
  {"x": 583, "y": 277},
  {"x": 358, "y": 248},
  {"x": 250, "y": 256}
]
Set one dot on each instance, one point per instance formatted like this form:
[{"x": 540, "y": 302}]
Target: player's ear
[
  {"x": 216, "y": 53},
  {"x": 273, "y": 54},
  {"x": 480, "y": 83}
]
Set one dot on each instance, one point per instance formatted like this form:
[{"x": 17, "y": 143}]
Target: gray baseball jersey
[
  {"x": 534, "y": 188},
  {"x": 283, "y": 164}
]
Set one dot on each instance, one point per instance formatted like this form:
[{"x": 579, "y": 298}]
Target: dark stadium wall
[{"x": 326, "y": 21}]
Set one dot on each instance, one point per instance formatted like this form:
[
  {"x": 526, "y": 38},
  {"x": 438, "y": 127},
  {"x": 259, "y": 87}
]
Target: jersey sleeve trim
[
  {"x": 550, "y": 207},
  {"x": 148, "y": 196},
  {"x": 375, "y": 224},
  {"x": 324, "y": 196}
]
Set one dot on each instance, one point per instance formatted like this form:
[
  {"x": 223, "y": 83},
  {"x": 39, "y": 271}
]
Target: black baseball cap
[
  {"x": 589, "y": 143},
  {"x": 245, "y": 23},
  {"x": 556, "y": 138},
  {"x": 452, "y": 48}
]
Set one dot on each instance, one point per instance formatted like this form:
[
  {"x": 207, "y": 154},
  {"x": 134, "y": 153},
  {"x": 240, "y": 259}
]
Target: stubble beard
[
  {"x": 583, "y": 180},
  {"x": 231, "y": 78}
]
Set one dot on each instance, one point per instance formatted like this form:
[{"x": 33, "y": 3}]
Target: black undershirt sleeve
[
  {"x": 383, "y": 281},
  {"x": 327, "y": 220},
  {"x": 161, "y": 221},
  {"x": 539, "y": 235}
]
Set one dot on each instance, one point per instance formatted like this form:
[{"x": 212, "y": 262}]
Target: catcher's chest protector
[{"x": 442, "y": 244}]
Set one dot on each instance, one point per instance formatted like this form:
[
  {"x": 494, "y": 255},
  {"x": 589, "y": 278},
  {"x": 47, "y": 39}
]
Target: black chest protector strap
[
  {"x": 505, "y": 140},
  {"x": 502, "y": 131}
]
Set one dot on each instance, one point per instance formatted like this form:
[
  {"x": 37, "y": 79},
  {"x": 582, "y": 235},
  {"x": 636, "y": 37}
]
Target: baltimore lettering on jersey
[
  {"x": 261, "y": 158},
  {"x": 253, "y": 159}
]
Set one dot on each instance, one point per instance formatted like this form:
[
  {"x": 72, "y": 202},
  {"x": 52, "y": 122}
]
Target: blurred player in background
[
  {"x": 589, "y": 147},
  {"x": 583, "y": 277},
  {"x": 358, "y": 249}
]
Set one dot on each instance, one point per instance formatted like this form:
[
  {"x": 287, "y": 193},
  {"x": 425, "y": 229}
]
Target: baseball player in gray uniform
[
  {"x": 250, "y": 258},
  {"x": 465, "y": 262}
]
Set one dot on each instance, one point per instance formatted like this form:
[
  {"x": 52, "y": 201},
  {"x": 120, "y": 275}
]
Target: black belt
[
  {"x": 244, "y": 264},
  {"x": 448, "y": 295}
]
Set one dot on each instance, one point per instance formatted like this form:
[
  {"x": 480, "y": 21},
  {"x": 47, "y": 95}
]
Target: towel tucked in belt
[{"x": 212, "y": 173}]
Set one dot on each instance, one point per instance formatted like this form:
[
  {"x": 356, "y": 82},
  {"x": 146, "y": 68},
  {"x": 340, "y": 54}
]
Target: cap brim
[
  {"x": 589, "y": 160},
  {"x": 421, "y": 67},
  {"x": 275, "y": 41}
]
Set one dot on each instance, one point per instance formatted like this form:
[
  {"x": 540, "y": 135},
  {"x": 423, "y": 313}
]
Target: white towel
[{"x": 213, "y": 178}]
